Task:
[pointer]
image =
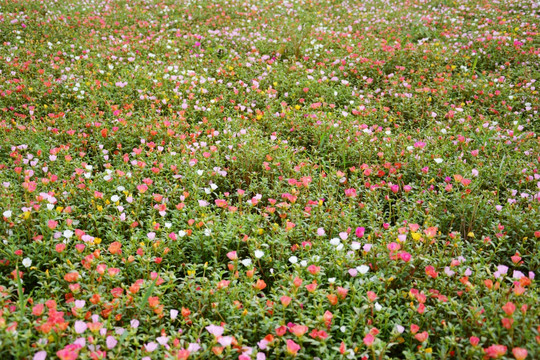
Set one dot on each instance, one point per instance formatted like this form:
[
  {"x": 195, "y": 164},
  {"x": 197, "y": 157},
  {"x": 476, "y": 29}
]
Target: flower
[
  {"x": 495, "y": 351},
  {"x": 111, "y": 342},
  {"x": 40, "y": 355},
  {"x": 215, "y": 330},
  {"x": 519, "y": 353},
  {"x": 421, "y": 336},
  {"x": 363, "y": 269},
  {"x": 27, "y": 262},
  {"x": 80, "y": 327},
  {"x": 369, "y": 339},
  {"x": 151, "y": 346},
  {"x": 292, "y": 347}
]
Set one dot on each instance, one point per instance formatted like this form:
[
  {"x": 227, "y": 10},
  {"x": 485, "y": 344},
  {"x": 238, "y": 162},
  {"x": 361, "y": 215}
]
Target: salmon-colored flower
[{"x": 292, "y": 347}]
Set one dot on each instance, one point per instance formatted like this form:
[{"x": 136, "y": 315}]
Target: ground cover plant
[{"x": 269, "y": 179}]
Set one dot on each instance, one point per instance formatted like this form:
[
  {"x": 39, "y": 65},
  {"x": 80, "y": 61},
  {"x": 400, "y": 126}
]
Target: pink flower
[
  {"x": 215, "y": 330},
  {"x": 70, "y": 352},
  {"x": 350, "y": 193},
  {"x": 151, "y": 346},
  {"x": 519, "y": 353},
  {"x": 495, "y": 351},
  {"x": 40, "y": 355},
  {"x": 422, "y": 336},
  {"x": 80, "y": 327},
  {"x": 111, "y": 342},
  {"x": 225, "y": 340},
  {"x": 405, "y": 256},
  {"x": 299, "y": 330},
  {"x": 292, "y": 347},
  {"x": 232, "y": 255},
  {"x": 360, "y": 232},
  {"x": 369, "y": 339},
  {"x": 474, "y": 340}
]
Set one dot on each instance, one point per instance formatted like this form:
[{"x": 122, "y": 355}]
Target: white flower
[
  {"x": 355, "y": 245},
  {"x": 181, "y": 233},
  {"x": 200, "y": 172},
  {"x": 120, "y": 188},
  {"x": 362, "y": 269},
  {"x": 246, "y": 262},
  {"x": 438, "y": 160},
  {"x": 378, "y": 307},
  {"x": 50, "y": 206},
  {"x": 115, "y": 198},
  {"x": 27, "y": 262},
  {"x": 293, "y": 259},
  {"x": 259, "y": 254},
  {"x": 331, "y": 280},
  {"x": 335, "y": 241},
  {"x": 213, "y": 186},
  {"x": 208, "y": 232},
  {"x": 7, "y": 213},
  {"x": 303, "y": 263},
  {"x": 68, "y": 234}
]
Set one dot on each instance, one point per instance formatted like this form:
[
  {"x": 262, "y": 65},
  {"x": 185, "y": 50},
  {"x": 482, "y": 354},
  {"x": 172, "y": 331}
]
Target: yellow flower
[{"x": 97, "y": 241}]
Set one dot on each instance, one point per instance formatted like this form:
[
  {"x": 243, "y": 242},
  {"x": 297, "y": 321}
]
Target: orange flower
[
  {"x": 114, "y": 248},
  {"x": 71, "y": 277},
  {"x": 260, "y": 284}
]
